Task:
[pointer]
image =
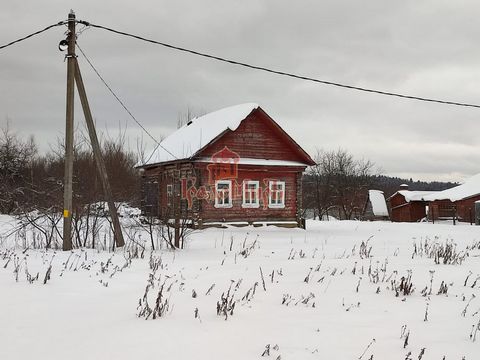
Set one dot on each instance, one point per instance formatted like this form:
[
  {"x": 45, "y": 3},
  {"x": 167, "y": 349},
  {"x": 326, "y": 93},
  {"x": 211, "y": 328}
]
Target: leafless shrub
[
  {"x": 365, "y": 249},
  {"x": 464, "y": 311},
  {"x": 443, "y": 253},
  {"x": 405, "y": 286},
  {"x": 475, "y": 330},
  {"x": 250, "y": 293},
  {"x": 405, "y": 334},
  {"x": 226, "y": 305}
]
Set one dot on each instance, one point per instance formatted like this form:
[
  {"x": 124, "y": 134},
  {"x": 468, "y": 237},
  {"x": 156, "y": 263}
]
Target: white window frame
[
  {"x": 270, "y": 191},
  {"x": 217, "y": 203},
  {"x": 256, "y": 204}
]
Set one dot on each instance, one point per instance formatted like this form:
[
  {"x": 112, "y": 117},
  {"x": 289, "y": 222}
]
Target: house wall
[
  {"x": 291, "y": 176},
  {"x": 403, "y": 211},
  {"x": 441, "y": 209},
  {"x": 256, "y": 137},
  {"x": 464, "y": 209},
  {"x": 204, "y": 210}
]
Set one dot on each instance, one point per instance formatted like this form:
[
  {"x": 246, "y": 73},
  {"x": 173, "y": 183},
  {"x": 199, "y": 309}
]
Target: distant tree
[
  {"x": 16, "y": 158},
  {"x": 339, "y": 183},
  {"x": 190, "y": 113}
]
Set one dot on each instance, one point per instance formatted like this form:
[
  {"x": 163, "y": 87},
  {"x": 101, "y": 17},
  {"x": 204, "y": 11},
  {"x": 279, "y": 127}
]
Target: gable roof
[
  {"x": 198, "y": 133},
  {"x": 470, "y": 188}
]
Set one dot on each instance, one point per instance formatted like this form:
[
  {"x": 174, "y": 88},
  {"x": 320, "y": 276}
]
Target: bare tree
[
  {"x": 16, "y": 158},
  {"x": 190, "y": 113},
  {"x": 338, "y": 183}
]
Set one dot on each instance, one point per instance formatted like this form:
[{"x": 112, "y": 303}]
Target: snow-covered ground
[{"x": 328, "y": 296}]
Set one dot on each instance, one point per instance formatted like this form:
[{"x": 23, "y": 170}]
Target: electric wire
[
  {"x": 282, "y": 73},
  {"x": 32, "y": 34},
  {"x": 125, "y": 107}
]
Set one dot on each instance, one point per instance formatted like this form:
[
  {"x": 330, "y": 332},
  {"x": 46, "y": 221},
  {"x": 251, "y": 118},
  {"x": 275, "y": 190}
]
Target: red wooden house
[
  {"x": 457, "y": 202},
  {"x": 233, "y": 165},
  {"x": 408, "y": 206}
]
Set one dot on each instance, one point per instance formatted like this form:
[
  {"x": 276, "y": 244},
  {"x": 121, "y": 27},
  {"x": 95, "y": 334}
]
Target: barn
[
  {"x": 457, "y": 202},
  {"x": 407, "y": 205},
  {"x": 234, "y": 165}
]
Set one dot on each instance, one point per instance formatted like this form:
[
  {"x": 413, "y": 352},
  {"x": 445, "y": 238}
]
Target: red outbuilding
[
  {"x": 233, "y": 165},
  {"x": 457, "y": 202},
  {"x": 408, "y": 206}
]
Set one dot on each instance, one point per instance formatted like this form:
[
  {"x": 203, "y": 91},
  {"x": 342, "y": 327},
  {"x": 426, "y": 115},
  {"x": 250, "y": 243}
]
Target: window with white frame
[
  {"x": 276, "y": 194},
  {"x": 251, "y": 192},
  {"x": 223, "y": 193}
]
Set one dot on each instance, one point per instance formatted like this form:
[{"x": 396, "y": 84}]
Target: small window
[
  {"x": 276, "y": 194},
  {"x": 169, "y": 194},
  {"x": 251, "y": 194},
  {"x": 223, "y": 193}
]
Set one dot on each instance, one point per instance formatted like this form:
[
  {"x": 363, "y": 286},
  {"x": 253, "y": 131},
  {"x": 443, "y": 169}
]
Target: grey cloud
[{"x": 425, "y": 48}]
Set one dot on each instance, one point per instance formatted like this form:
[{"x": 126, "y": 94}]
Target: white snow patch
[
  {"x": 379, "y": 205},
  {"x": 88, "y": 308}
]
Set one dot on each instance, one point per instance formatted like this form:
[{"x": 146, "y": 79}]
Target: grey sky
[{"x": 424, "y": 48}]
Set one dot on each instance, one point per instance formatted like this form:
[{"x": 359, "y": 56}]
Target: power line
[
  {"x": 283, "y": 73},
  {"x": 124, "y": 106},
  {"x": 32, "y": 34}
]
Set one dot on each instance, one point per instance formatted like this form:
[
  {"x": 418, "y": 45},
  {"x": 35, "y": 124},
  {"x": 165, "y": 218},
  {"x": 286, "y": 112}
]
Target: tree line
[
  {"x": 30, "y": 180},
  {"x": 338, "y": 185}
]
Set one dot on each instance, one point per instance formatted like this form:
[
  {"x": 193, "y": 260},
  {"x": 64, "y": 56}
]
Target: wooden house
[
  {"x": 233, "y": 165},
  {"x": 408, "y": 206},
  {"x": 457, "y": 202}
]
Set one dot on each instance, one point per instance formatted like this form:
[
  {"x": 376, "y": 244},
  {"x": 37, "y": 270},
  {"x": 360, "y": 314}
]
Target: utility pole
[
  {"x": 74, "y": 76},
  {"x": 117, "y": 230},
  {"x": 67, "y": 195}
]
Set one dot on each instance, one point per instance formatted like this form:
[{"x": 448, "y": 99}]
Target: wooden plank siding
[
  {"x": 262, "y": 174},
  {"x": 403, "y": 211},
  {"x": 463, "y": 210},
  {"x": 256, "y": 137}
]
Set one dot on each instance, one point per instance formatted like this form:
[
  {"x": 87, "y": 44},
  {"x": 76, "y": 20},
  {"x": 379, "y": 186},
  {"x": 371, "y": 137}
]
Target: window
[
  {"x": 276, "y": 194},
  {"x": 251, "y": 194},
  {"x": 223, "y": 194},
  {"x": 169, "y": 194}
]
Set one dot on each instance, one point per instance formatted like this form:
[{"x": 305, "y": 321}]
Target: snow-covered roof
[
  {"x": 470, "y": 188},
  {"x": 415, "y": 195},
  {"x": 199, "y": 132},
  {"x": 377, "y": 199}
]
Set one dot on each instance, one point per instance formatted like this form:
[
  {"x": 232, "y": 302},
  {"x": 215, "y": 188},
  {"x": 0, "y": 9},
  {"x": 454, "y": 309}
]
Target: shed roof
[{"x": 377, "y": 199}]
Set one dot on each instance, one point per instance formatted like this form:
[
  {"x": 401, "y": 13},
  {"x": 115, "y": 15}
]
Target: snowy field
[{"x": 334, "y": 291}]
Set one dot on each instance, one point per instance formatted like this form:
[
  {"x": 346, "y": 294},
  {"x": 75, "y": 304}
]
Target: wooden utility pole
[
  {"x": 67, "y": 194},
  {"x": 74, "y": 76},
  {"x": 102, "y": 171}
]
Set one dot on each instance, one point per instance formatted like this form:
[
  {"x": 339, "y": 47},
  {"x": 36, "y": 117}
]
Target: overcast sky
[{"x": 422, "y": 48}]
